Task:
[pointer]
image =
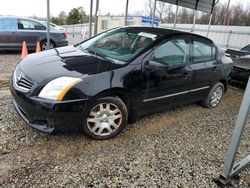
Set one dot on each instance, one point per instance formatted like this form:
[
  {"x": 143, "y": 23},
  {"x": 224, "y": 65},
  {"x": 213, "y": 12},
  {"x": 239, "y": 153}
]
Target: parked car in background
[
  {"x": 105, "y": 82},
  {"x": 234, "y": 53},
  {"x": 54, "y": 26},
  {"x": 241, "y": 66},
  {"x": 13, "y": 31},
  {"x": 241, "y": 71}
]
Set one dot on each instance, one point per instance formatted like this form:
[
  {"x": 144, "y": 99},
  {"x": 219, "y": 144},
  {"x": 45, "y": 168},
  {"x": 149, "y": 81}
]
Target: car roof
[
  {"x": 44, "y": 23},
  {"x": 16, "y": 17},
  {"x": 167, "y": 32}
]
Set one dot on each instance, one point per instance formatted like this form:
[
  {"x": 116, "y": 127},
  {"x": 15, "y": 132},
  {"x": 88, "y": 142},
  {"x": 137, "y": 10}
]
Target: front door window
[{"x": 173, "y": 52}]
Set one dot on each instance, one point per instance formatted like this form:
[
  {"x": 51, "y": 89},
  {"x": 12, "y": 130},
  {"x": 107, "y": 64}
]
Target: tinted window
[
  {"x": 8, "y": 24},
  {"x": 30, "y": 25},
  {"x": 246, "y": 48},
  {"x": 203, "y": 52},
  {"x": 173, "y": 52}
]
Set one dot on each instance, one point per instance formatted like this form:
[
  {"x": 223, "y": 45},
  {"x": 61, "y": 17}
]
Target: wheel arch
[
  {"x": 129, "y": 99},
  {"x": 225, "y": 83}
]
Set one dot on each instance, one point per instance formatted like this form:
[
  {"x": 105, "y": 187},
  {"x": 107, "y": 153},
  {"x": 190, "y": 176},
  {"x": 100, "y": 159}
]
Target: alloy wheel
[
  {"x": 216, "y": 96},
  {"x": 44, "y": 46},
  {"x": 104, "y": 119}
]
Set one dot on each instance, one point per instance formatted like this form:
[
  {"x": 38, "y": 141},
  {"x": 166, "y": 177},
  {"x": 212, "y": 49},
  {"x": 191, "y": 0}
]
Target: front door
[{"x": 168, "y": 84}]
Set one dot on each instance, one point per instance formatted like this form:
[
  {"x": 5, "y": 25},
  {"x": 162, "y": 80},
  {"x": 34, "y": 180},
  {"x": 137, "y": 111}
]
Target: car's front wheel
[
  {"x": 215, "y": 95},
  {"x": 105, "y": 118}
]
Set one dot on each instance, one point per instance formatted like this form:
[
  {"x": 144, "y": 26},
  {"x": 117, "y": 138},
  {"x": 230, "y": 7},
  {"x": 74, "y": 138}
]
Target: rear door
[
  {"x": 8, "y": 29},
  {"x": 205, "y": 67},
  {"x": 29, "y": 31}
]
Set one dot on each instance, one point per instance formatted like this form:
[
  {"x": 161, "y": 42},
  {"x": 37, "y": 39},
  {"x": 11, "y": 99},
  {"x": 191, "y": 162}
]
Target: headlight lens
[{"x": 57, "y": 88}]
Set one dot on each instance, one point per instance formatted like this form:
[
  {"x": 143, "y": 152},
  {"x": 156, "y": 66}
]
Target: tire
[
  {"x": 44, "y": 43},
  {"x": 105, "y": 118},
  {"x": 214, "y": 96}
]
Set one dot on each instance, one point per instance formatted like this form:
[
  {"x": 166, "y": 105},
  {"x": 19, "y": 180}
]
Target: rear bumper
[{"x": 47, "y": 115}]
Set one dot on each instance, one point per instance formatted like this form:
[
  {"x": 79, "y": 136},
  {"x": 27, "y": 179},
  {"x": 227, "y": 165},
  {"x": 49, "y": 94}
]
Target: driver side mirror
[{"x": 155, "y": 66}]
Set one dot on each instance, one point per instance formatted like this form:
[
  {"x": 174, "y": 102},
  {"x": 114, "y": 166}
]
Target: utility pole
[
  {"x": 90, "y": 18},
  {"x": 48, "y": 25},
  {"x": 96, "y": 16},
  {"x": 226, "y": 19},
  {"x": 126, "y": 13}
]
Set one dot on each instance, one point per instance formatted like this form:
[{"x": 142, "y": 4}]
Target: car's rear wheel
[
  {"x": 44, "y": 45},
  {"x": 215, "y": 95},
  {"x": 105, "y": 118}
]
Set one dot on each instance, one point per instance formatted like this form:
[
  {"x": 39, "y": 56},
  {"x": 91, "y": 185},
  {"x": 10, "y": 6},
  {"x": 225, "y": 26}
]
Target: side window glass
[
  {"x": 8, "y": 24},
  {"x": 203, "y": 52},
  {"x": 30, "y": 25},
  {"x": 173, "y": 52}
]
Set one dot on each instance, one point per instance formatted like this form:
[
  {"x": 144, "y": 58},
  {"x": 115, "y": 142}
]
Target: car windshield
[
  {"x": 246, "y": 48},
  {"x": 119, "y": 44}
]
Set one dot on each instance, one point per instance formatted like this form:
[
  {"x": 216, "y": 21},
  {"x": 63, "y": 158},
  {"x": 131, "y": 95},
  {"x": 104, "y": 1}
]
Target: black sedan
[{"x": 101, "y": 84}]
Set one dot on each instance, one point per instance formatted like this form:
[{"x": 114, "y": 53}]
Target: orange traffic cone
[
  {"x": 38, "y": 47},
  {"x": 24, "y": 50}
]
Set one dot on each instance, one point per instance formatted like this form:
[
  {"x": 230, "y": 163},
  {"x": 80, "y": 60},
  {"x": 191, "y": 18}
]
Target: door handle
[
  {"x": 180, "y": 75},
  {"x": 185, "y": 75}
]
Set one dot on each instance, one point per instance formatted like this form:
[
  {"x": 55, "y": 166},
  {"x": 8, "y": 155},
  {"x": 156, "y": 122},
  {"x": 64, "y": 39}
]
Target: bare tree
[
  {"x": 185, "y": 16},
  {"x": 149, "y": 6},
  {"x": 237, "y": 15},
  {"x": 161, "y": 9},
  {"x": 222, "y": 14},
  {"x": 169, "y": 18},
  {"x": 227, "y": 14}
]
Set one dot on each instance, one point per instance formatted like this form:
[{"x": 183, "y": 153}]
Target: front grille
[
  {"x": 25, "y": 82},
  {"x": 22, "y": 82}
]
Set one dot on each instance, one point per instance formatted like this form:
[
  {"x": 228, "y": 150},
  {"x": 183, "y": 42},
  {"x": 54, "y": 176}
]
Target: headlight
[{"x": 57, "y": 88}]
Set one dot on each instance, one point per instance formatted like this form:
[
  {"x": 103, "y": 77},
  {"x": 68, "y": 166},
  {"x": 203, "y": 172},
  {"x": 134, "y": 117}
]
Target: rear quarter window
[{"x": 8, "y": 24}]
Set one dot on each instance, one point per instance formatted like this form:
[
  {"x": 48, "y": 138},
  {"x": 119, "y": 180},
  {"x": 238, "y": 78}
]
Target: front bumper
[{"x": 48, "y": 115}]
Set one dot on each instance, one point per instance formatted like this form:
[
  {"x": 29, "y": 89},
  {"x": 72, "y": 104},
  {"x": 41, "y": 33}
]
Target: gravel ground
[{"x": 182, "y": 147}]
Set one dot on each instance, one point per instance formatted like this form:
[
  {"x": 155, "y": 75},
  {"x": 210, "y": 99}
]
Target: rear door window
[
  {"x": 203, "y": 52},
  {"x": 30, "y": 25},
  {"x": 8, "y": 24}
]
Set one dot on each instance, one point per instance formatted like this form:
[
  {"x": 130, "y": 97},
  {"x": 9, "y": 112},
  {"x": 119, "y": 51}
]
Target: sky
[{"x": 27, "y": 8}]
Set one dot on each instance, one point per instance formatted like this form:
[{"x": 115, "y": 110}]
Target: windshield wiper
[
  {"x": 90, "y": 51},
  {"x": 98, "y": 54}
]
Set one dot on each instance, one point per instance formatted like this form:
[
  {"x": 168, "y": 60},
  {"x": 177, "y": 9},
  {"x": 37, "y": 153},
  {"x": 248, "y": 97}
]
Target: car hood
[{"x": 65, "y": 61}]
